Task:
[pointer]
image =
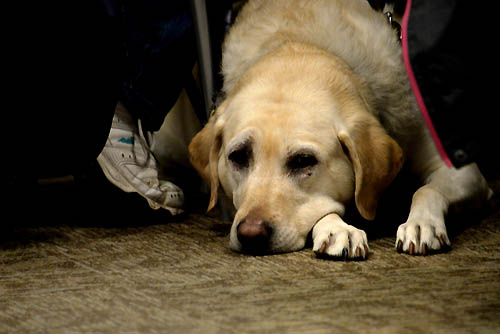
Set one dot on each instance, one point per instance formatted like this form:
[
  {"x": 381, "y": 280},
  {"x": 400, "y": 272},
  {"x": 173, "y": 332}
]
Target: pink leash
[{"x": 416, "y": 90}]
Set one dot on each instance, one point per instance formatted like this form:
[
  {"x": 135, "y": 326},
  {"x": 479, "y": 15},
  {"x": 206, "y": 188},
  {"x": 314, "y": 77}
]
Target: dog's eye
[
  {"x": 301, "y": 161},
  {"x": 241, "y": 157}
]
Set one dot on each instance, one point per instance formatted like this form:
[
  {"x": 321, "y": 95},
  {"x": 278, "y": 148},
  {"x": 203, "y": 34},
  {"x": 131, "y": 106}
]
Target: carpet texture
[{"x": 88, "y": 264}]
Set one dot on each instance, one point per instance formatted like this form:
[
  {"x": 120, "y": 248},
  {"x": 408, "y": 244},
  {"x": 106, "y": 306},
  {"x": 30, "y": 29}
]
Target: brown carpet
[{"x": 99, "y": 266}]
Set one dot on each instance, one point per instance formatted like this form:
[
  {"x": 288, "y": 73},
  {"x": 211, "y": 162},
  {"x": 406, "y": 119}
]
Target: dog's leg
[
  {"x": 332, "y": 237},
  {"x": 425, "y": 230}
]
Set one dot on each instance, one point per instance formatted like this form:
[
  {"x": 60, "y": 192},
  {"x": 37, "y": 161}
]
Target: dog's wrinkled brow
[
  {"x": 240, "y": 141},
  {"x": 304, "y": 149}
]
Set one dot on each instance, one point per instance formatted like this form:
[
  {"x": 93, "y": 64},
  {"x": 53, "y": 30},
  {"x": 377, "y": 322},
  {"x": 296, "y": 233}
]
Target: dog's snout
[{"x": 254, "y": 235}]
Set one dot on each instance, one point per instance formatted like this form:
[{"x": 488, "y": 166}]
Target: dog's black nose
[{"x": 254, "y": 235}]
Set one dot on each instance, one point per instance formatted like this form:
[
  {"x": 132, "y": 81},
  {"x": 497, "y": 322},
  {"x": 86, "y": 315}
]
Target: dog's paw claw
[
  {"x": 411, "y": 251},
  {"x": 358, "y": 252},
  {"x": 399, "y": 246},
  {"x": 345, "y": 253},
  {"x": 322, "y": 250},
  {"x": 425, "y": 249}
]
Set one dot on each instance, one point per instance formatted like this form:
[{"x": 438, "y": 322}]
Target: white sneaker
[{"x": 128, "y": 163}]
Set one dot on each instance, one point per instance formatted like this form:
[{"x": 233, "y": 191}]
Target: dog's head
[{"x": 293, "y": 143}]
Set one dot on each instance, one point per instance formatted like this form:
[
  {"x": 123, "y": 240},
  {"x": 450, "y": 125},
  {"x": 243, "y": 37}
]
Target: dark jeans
[{"x": 68, "y": 63}]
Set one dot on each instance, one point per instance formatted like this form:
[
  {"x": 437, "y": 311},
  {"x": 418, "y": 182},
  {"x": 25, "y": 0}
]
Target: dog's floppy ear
[
  {"x": 376, "y": 159},
  {"x": 204, "y": 154}
]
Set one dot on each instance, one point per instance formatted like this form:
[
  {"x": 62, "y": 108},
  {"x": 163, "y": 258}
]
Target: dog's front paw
[
  {"x": 419, "y": 237},
  {"x": 333, "y": 238}
]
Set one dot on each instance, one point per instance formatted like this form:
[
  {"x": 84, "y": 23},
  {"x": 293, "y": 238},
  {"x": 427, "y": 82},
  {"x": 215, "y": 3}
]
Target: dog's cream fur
[{"x": 322, "y": 79}]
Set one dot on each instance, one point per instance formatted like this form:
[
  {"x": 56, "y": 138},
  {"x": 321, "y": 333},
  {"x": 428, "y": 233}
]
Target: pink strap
[{"x": 416, "y": 90}]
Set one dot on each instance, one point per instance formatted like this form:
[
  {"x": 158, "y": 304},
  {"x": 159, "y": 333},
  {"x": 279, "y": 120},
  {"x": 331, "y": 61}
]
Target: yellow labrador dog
[{"x": 319, "y": 112}]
